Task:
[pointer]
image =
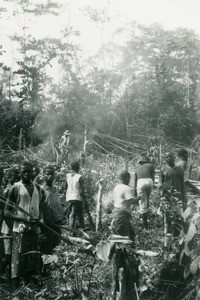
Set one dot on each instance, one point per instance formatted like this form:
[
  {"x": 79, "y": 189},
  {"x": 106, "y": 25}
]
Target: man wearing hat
[{"x": 144, "y": 179}]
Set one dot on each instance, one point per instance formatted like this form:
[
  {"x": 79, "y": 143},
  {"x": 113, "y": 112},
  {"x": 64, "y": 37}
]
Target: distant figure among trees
[
  {"x": 144, "y": 179},
  {"x": 64, "y": 143}
]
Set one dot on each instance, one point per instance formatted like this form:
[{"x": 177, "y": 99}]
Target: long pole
[
  {"x": 4, "y": 200},
  {"x": 160, "y": 158}
]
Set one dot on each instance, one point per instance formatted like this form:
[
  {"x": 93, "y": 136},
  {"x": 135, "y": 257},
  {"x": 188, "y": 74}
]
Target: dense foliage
[{"x": 151, "y": 89}]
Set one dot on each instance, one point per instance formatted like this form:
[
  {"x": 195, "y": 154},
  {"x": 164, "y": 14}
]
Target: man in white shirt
[
  {"x": 123, "y": 199},
  {"x": 75, "y": 196}
]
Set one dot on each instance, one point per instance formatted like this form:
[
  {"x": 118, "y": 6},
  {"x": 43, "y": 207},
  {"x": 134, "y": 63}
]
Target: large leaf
[
  {"x": 197, "y": 223},
  {"x": 119, "y": 239},
  {"x": 193, "y": 267},
  {"x": 186, "y": 214},
  {"x": 186, "y": 271},
  {"x": 103, "y": 250},
  {"x": 187, "y": 251},
  {"x": 191, "y": 232},
  {"x": 47, "y": 259}
]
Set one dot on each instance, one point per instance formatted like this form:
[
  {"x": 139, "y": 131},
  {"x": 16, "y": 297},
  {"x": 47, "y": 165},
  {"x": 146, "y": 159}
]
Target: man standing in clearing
[
  {"x": 26, "y": 258},
  {"x": 52, "y": 211},
  {"x": 123, "y": 199},
  {"x": 144, "y": 179},
  {"x": 75, "y": 195}
]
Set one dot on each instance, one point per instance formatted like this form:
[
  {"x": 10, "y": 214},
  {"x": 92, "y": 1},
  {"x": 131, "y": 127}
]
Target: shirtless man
[
  {"x": 144, "y": 179},
  {"x": 183, "y": 164}
]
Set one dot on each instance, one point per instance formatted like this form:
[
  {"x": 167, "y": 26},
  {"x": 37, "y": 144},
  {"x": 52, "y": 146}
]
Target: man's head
[
  {"x": 26, "y": 172},
  {"x": 75, "y": 166},
  {"x": 49, "y": 174},
  {"x": 169, "y": 158},
  {"x": 144, "y": 159},
  {"x": 183, "y": 154},
  {"x": 36, "y": 171},
  {"x": 14, "y": 175},
  {"x": 125, "y": 176}
]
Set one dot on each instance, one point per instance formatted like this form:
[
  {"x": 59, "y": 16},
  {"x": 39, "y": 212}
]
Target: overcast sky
[{"x": 170, "y": 13}]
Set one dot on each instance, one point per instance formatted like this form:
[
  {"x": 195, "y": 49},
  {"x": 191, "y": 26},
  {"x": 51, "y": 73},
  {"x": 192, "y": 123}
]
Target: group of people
[
  {"x": 173, "y": 180},
  {"x": 26, "y": 203},
  {"x": 31, "y": 217}
]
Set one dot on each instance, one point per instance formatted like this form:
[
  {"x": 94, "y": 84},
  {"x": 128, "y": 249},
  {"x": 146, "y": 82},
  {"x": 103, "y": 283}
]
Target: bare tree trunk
[
  {"x": 21, "y": 139},
  {"x": 125, "y": 275},
  {"x": 99, "y": 206},
  {"x": 160, "y": 158},
  {"x": 127, "y": 148},
  {"x": 51, "y": 139},
  {"x": 85, "y": 139},
  {"x": 24, "y": 145}
]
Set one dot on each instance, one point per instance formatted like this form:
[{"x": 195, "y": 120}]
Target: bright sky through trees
[{"x": 169, "y": 13}]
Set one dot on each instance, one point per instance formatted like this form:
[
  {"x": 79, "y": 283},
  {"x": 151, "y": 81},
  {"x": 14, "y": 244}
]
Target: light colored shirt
[
  {"x": 73, "y": 187},
  {"x": 121, "y": 194},
  {"x": 27, "y": 203}
]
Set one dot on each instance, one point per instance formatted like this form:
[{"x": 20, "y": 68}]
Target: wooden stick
[
  {"x": 5, "y": 237},
  {"x": 160, "y": 158},
  {"x": 136, "y": 291},
  {"x": 85, "y": 139},
  {"x": 4, "y": 200},
  {"x": 76, "y": 277}
]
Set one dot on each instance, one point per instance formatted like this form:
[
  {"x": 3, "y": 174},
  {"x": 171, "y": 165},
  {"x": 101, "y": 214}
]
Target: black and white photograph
[{"x": 99, "y": 150}]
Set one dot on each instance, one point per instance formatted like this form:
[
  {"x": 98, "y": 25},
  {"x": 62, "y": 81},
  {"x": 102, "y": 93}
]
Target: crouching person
[{"x": 123, "y": 199}]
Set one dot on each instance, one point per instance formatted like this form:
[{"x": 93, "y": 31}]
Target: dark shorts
[
  {"x": 122, "y": 224},
  {"x": 78, "y": 205},
  {"x": 26, "y": 258}
]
